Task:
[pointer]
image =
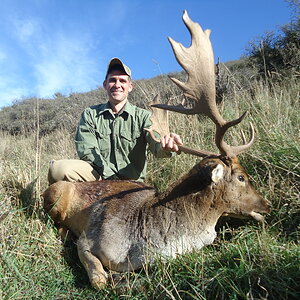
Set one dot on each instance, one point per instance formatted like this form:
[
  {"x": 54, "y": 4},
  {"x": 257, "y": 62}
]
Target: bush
[{"x": 278, "y": 55}]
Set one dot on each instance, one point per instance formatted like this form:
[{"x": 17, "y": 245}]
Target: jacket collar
[{"x": 128, "y": 109}]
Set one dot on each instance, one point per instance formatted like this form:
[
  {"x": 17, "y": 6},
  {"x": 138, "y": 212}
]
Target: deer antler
[
  {"x": 198, "y": 62},
  {"x": 160, "y": 124}
]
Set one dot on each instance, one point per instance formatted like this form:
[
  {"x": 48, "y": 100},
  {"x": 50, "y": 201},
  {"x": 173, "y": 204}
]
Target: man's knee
[
  {"x": 71, "y": 170},
  {"x": 58, "y": 170}
]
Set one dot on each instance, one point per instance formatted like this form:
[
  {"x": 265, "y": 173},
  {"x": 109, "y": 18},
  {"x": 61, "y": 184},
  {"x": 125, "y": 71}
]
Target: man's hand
[{"x": 170, "y": 142}]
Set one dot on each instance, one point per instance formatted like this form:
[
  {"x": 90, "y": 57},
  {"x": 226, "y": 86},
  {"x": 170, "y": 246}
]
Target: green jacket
[{"x": 116, "y": 145}]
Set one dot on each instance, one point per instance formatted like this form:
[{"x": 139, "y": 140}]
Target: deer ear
[{"x": 217, "y": 173}]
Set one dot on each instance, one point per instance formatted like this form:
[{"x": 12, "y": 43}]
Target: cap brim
[{"x": 117, "y": 62}]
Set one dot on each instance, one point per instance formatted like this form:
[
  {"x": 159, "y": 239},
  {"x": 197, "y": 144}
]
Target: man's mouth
[{"x": 116, "y": 92}]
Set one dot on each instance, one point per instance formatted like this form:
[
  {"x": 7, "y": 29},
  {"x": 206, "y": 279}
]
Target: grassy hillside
[
  {"x": 247, "y": 260},
  {"x": 63, "y": 112}
]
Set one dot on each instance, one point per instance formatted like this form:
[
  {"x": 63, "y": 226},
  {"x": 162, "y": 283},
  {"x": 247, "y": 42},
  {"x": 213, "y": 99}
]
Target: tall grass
[{"x": 247, "y": 260}]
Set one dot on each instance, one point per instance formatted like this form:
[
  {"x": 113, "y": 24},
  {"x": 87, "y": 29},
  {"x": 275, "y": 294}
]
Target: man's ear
[
  {"x": 131, "y": 86},
  {"x": 104, "y": 84}
]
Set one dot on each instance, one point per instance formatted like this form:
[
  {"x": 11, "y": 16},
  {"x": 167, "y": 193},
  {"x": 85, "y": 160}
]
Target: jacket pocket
[
  {"x": 103, "y": 139},
  {"x": 129, "y": 140},
  {"x": 130, "y": 136}
]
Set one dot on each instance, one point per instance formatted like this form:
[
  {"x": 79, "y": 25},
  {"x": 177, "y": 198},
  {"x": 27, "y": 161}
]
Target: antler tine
[
  {"x": 160, "y": 125},
  {"x": 198, "y": 62},
  {"x": 160, "y": 120},
  {"x": 226, "y": 149}
]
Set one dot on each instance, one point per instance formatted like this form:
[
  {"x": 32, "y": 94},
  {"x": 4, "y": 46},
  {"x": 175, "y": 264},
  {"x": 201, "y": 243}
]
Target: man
[{"x": 111, "y": 141}]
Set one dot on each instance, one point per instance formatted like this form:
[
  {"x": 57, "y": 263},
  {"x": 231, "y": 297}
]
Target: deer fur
[{"x": 121, "y": 224}]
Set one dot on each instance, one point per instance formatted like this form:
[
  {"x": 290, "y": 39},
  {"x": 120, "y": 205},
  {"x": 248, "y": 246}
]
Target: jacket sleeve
[
  {"x": 87, "y": 145},
  {"x": 155, "y": 147}
]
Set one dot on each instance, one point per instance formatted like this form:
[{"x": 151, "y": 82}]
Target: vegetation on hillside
[
  {"x": 247, "y": 260},
  {"x": 278, "y": 55}
]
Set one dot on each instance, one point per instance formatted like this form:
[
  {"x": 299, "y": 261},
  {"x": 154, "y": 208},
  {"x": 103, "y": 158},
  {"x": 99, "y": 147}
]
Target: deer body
[{"x": 121, "y": 224}]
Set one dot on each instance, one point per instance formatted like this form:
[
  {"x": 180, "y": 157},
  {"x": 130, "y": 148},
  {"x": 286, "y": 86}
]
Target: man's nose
[{"x": 117, "y": 83}]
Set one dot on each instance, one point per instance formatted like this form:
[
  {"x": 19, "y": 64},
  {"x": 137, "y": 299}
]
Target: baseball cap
[{"x": 117, "y": 62}]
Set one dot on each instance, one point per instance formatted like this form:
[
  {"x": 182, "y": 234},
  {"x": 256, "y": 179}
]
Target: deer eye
[{"x": 241, "y": 178}]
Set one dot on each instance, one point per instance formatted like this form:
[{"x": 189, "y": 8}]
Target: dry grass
[{"x": 246, "y": 262}]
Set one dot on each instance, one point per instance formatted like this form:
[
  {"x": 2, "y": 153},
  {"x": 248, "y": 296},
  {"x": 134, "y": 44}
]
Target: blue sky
[{"x": 49, "y": 46}]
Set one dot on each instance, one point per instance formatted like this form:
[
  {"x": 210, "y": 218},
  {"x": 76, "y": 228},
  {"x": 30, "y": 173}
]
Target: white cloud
[
  {"x": 3, "y": 56},
  {"x": 45, "y": 57},
  {"x": 25, "y": 29},
  {"x": 65, "y": 65},
  {"x": 117, "y": 13},
  {"x": 9, "y": 92},
  {"x": 11, "y": 85},
  {"x": 59, "y": 61}
]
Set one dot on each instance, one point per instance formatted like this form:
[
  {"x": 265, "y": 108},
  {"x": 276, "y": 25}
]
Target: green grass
[{"x": 247, "y": 260}]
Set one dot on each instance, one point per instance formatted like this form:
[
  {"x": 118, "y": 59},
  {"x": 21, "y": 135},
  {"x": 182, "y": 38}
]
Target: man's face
[{"x": 117, "y": 85}]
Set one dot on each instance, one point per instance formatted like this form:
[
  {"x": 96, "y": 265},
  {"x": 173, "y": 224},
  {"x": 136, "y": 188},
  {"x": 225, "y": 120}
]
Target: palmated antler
[
  {"x": 160, "y": 125},
  {"x": 198, "y": 62}
]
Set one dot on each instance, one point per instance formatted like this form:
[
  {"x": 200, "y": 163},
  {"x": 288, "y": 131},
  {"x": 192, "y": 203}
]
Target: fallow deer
[{"x": 119, "y": 224}]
